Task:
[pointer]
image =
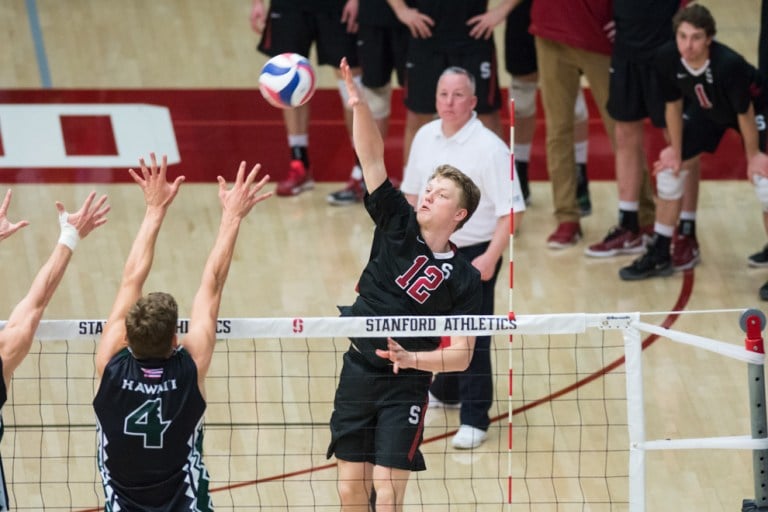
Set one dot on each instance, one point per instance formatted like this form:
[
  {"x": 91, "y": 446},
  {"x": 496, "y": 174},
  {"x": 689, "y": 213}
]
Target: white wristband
[{"x": 69, "y": 235}]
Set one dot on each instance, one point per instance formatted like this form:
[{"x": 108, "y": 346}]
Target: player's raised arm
[
  {"x": 16, "y": 337},
  {"x": 236, "y": 202},
  {"x": 368, "y": 143},
  {"x": 158, "y": 196}
]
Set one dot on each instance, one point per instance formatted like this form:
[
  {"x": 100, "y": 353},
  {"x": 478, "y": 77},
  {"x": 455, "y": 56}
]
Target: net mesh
[{"x": 564, "y": 446}]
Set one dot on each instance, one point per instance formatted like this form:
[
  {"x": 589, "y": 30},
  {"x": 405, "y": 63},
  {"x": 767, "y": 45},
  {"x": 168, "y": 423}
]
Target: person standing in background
[{"x": 294, "y": 26}]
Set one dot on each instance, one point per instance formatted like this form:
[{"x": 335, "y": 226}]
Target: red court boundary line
[{"x": 682, "y": 300}]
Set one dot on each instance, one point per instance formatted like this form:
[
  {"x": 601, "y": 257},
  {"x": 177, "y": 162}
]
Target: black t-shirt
[
  {"x": 403, "y": 276},
  {"x": 450, "y": 31},
  {"x": 642, "y": 26},
  {"x": 722, "y": 90}
]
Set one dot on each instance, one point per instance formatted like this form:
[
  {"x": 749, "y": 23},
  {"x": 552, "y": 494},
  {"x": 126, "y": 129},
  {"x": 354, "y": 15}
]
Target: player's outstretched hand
[
  {"x": 90, "y": 215},
  {"x": 244, "y": 193},
  {"x": 7, "y": 228},
  {"x": 399, "y": 357},
  {"x": 353, "y": 92},
  {"x": 157, "y": 191}
]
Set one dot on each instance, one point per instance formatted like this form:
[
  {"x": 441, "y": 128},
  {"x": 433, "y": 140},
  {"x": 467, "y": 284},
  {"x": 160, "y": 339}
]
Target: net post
[
  {"x": 753, "y": 323},
  {"x": 511, "y": 313}
]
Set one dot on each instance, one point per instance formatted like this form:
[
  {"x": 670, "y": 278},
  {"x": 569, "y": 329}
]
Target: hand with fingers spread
[
  {"x": 244, "y": 193},
  {"x": 7, "y": 228},
  {"x": 157, "y": 191},
  {"x": 77, "y": 225}
]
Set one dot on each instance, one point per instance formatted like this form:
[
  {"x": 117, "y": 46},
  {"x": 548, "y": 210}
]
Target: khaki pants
[{"x": 560, "y": 69}]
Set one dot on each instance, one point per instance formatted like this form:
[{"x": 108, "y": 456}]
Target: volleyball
[{"x": 287, "y": 80}]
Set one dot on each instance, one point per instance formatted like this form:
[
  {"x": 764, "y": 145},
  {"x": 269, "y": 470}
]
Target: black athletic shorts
[
  {"x": 381, "y": 51},
  {"x": 294, "y": 30},
  {"x": 425, "y": 65},
  {"x": 701, "y": 134},
  {"x": 634, "y": 92},
  {"x": 378, "y": 415},
  {"x": 519, "y": 47}
]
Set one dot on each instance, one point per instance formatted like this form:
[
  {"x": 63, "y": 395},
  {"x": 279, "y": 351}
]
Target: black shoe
[
  {"x": 764, "y": 291},
  {"x": 759, "y": 259},
  {"x": 352, "y": 193},
  {"x": 650, "y": 264}
]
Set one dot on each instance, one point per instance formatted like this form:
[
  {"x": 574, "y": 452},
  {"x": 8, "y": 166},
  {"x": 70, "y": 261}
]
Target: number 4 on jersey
[{"x": 147, "y": 421}]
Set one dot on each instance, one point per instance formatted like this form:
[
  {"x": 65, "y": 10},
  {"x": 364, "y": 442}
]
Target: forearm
[
  {"x": 673, "y": 115},
  {"x": 142, "y": 252},
  {"x": 220, "y": 259},
  {"x": 454, "y": 358},
  {"x": 749, "y": 135},
  {"x": 369, "y": 146},
  {"x": 500, "y": 239}
]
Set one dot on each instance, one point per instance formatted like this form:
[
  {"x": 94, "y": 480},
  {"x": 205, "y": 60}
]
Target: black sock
[
  {"x": 629, "y": 220},
  {"x": 661, "y": 245},
  {"x": 582, "y": 184},
  {"x": 522, "y": 174},
  {"x": 687, "y": 227},
  {"x": 300, "y": 153}
]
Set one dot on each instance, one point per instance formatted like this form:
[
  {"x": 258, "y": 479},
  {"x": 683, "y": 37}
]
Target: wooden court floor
[{"x": 299, "y": 256}]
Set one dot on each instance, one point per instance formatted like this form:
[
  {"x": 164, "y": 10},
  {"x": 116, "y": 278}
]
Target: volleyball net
[{"x": 572, "y": 427}]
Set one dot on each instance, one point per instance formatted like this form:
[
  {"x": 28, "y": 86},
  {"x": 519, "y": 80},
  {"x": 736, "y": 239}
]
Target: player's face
[
  {"x": 440, "y": 203},
  {"x": 693, "y": 44},
  {"x": 454, "y": 100}
]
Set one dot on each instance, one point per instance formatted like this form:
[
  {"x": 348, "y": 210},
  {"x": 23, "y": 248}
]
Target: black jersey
[
  {"x": 642, "y": 27},
  {"x": 724, "y": 89},
  {"x": 377, "y": 13},
  {"x": 451, "y": 31},
  {"x": 404, "y": 277},
  {"x": 150, "y": 436}
]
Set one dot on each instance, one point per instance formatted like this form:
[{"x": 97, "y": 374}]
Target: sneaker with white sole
[
  {"x": 435, "y": 403},
  {"x": 297, "y": 181},
  {"x": 469, "y": 437},
  {"x": 618, "y": 241}
]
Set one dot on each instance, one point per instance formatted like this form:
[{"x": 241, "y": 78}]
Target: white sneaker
[
  {"x": 469, "y": 437},
  {"x": 435, "y": 403}
]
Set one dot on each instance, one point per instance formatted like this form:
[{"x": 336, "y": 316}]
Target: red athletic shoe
[
  {"x": 618, "y": 241},
  {"x": 297, "y": 181},
  {"x": 566, "y": 235},
  {"x": 685, "y": 252}
]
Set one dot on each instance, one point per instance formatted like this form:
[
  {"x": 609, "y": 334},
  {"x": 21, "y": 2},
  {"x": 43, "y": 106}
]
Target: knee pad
[
  {"x": 379, "y": 100},
  {"x": 580, "y": 112},
  {"x": 343, "y": 89},
  {"x": 670, "y": 186},
  {"x": 524, "y": 94},
  {"x": 761, "y": 190}
]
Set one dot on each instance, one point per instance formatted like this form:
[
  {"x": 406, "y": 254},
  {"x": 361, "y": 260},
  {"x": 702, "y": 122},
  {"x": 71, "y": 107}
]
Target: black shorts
[
  {"x": 702, "y": 134},
  {"x": 294, "y": 30},
  {"x": 378, "y": 415},
  {"x": 381, "y": 51},
  {"x": 634, "y": 92},
  {"x": 519, "y": 48},
  {"x": 426, "y": 64}
]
